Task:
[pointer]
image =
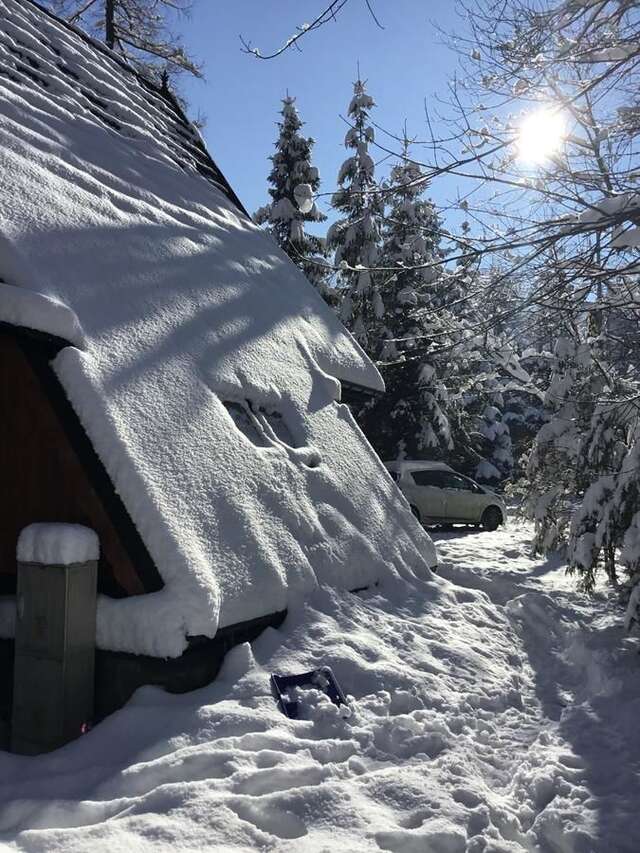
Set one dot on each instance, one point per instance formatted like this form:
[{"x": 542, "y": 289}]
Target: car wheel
[
  {"x": 491, "y": 518},
  {"x": 415, "y": 511}
]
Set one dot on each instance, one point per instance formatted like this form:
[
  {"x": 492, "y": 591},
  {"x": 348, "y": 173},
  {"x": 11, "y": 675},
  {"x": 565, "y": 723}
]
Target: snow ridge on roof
[{"x": 207, "y": 379}]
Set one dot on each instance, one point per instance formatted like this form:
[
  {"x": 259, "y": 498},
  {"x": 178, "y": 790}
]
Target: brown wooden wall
[{"x": 42, "y": 477}]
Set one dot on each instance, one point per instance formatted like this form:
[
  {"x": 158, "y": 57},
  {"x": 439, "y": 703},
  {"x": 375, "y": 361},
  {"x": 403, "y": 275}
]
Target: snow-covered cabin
[{"x": 167, "y": 376}]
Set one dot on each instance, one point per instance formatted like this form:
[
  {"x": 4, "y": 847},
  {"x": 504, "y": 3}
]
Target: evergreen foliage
[
  {"x": 555, "y": 475},
  {"x": 481, "y": 367},
  {"x": 411, "y": 346},
  {"x": 355, "y": 236},
  {"x": 496, "y": 448},
  {"x": 293, "y": 183},
  {"x": 604, "y": 521}
]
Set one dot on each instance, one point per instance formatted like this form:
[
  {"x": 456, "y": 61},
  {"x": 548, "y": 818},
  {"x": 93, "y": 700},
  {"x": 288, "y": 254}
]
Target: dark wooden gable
[{"x": 49, "y": 471}]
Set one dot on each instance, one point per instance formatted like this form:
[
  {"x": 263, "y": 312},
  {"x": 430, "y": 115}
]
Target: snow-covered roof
[{"x": 118, "y": 234}]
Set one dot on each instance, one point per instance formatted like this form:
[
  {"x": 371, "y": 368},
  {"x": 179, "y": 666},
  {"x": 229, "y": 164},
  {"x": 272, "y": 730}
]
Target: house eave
[{"x": 39, "y": 348}]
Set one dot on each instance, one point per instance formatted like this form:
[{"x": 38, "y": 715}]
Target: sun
[{"x": 541, "y": 135}]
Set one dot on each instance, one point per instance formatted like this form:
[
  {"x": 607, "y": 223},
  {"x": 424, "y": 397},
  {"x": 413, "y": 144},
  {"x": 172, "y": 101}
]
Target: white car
[{"x": 438, "y": 495}]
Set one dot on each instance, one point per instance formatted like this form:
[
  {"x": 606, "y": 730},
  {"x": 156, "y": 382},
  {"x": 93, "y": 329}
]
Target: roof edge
[
  {"x": 40, "y": 350},
  {"x": 29, "y": 309},
  {"x": 149, "y": 83}
]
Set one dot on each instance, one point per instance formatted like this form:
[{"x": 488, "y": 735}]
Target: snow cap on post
[{"x": 57, "y": 544}]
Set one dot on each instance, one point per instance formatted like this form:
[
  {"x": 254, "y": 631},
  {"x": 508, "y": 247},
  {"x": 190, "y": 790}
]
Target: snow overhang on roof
[
  {"x": 179, "y": 310},
  {"x": 30, "y": 310}
]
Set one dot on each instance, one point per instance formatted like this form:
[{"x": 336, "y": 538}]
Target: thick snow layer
[
  {"x": 303, "y": 195},
  {"x": 493, "y": 711},
  {"x": 185, "y": 305},
  {"x": 487, "y": 471},
  {"x": 627, "y": 239},
  {"x": 57, "y": 544},
  {"x": 625, "y": 204}
]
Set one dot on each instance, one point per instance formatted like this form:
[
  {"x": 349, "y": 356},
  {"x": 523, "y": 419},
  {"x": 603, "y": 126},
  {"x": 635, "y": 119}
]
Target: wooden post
[{"x": 55, "y": 636}]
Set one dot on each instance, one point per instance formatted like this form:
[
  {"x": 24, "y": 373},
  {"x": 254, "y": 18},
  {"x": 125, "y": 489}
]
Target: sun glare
[{"x": 541, "y": 135}]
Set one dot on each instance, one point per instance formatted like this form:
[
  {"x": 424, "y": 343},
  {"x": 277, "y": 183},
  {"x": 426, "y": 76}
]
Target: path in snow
[
  {"x": 584, "y": 673},
  {"x": 493, "y": 710}
]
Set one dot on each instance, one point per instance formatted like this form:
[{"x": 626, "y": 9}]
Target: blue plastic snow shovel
[{"x": 322, "y": 679}]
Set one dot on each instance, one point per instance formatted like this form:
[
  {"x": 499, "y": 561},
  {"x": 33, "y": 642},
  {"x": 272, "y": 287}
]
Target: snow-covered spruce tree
[
  {"x": 559, "y": 469},
  {"x": 626, "y": 516},
  {"x": 413, "y": 338},
  {"x": 481, "y": 367},
  {"x": 355, "y": 236},
  {"x": 497, "y": 450},
  {"x": 293, "y": 183},
  {"x": 444, "y": 380},
  {"x": 602, "y": 523},
  {"x": 469, "y": 385},
  {"x": 524, "y": 411},
  {"x": 478, "y": 387},
  {"x": 512, "y": 404},
  {"x": 535, "y": 332}
]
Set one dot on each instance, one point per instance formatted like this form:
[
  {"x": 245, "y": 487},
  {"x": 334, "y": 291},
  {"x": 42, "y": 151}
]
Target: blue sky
[{"x": 403, "y": 64}]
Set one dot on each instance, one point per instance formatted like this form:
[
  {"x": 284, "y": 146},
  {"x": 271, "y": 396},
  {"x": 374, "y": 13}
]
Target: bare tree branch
[{"x": 328, "y": 14}]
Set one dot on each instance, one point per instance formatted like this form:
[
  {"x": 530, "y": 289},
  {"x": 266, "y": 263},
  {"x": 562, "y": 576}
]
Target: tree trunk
[
  {"x": 109, "y": 25},
  {"x": 610, "y": 565}
]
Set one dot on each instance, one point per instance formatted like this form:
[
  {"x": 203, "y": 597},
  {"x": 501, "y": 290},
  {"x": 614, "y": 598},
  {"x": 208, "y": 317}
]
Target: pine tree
[
  {"x": 474, "y": 385},
  {"x": 355, "y": 237},
  {"x": 440, "y": 376},
  {"x": 410, "y": 347},
  {"x": 293, "y": 183},
  {"x": 497, "y": 450},
  {"x": 524, "y": 412},
  {"x": 609, "y": 451},
  {"x": 558, "y": 468},
  {"x": 481, "y": 367},
  {"x": 411, "y": 245}
]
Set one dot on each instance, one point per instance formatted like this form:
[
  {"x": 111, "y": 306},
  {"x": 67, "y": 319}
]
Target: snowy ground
[{"x": 494, "y": 710}]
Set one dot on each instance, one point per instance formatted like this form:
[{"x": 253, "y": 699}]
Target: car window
[
  {"x": 428, "y": 478},
  {"x": 455, "y": 481}
]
